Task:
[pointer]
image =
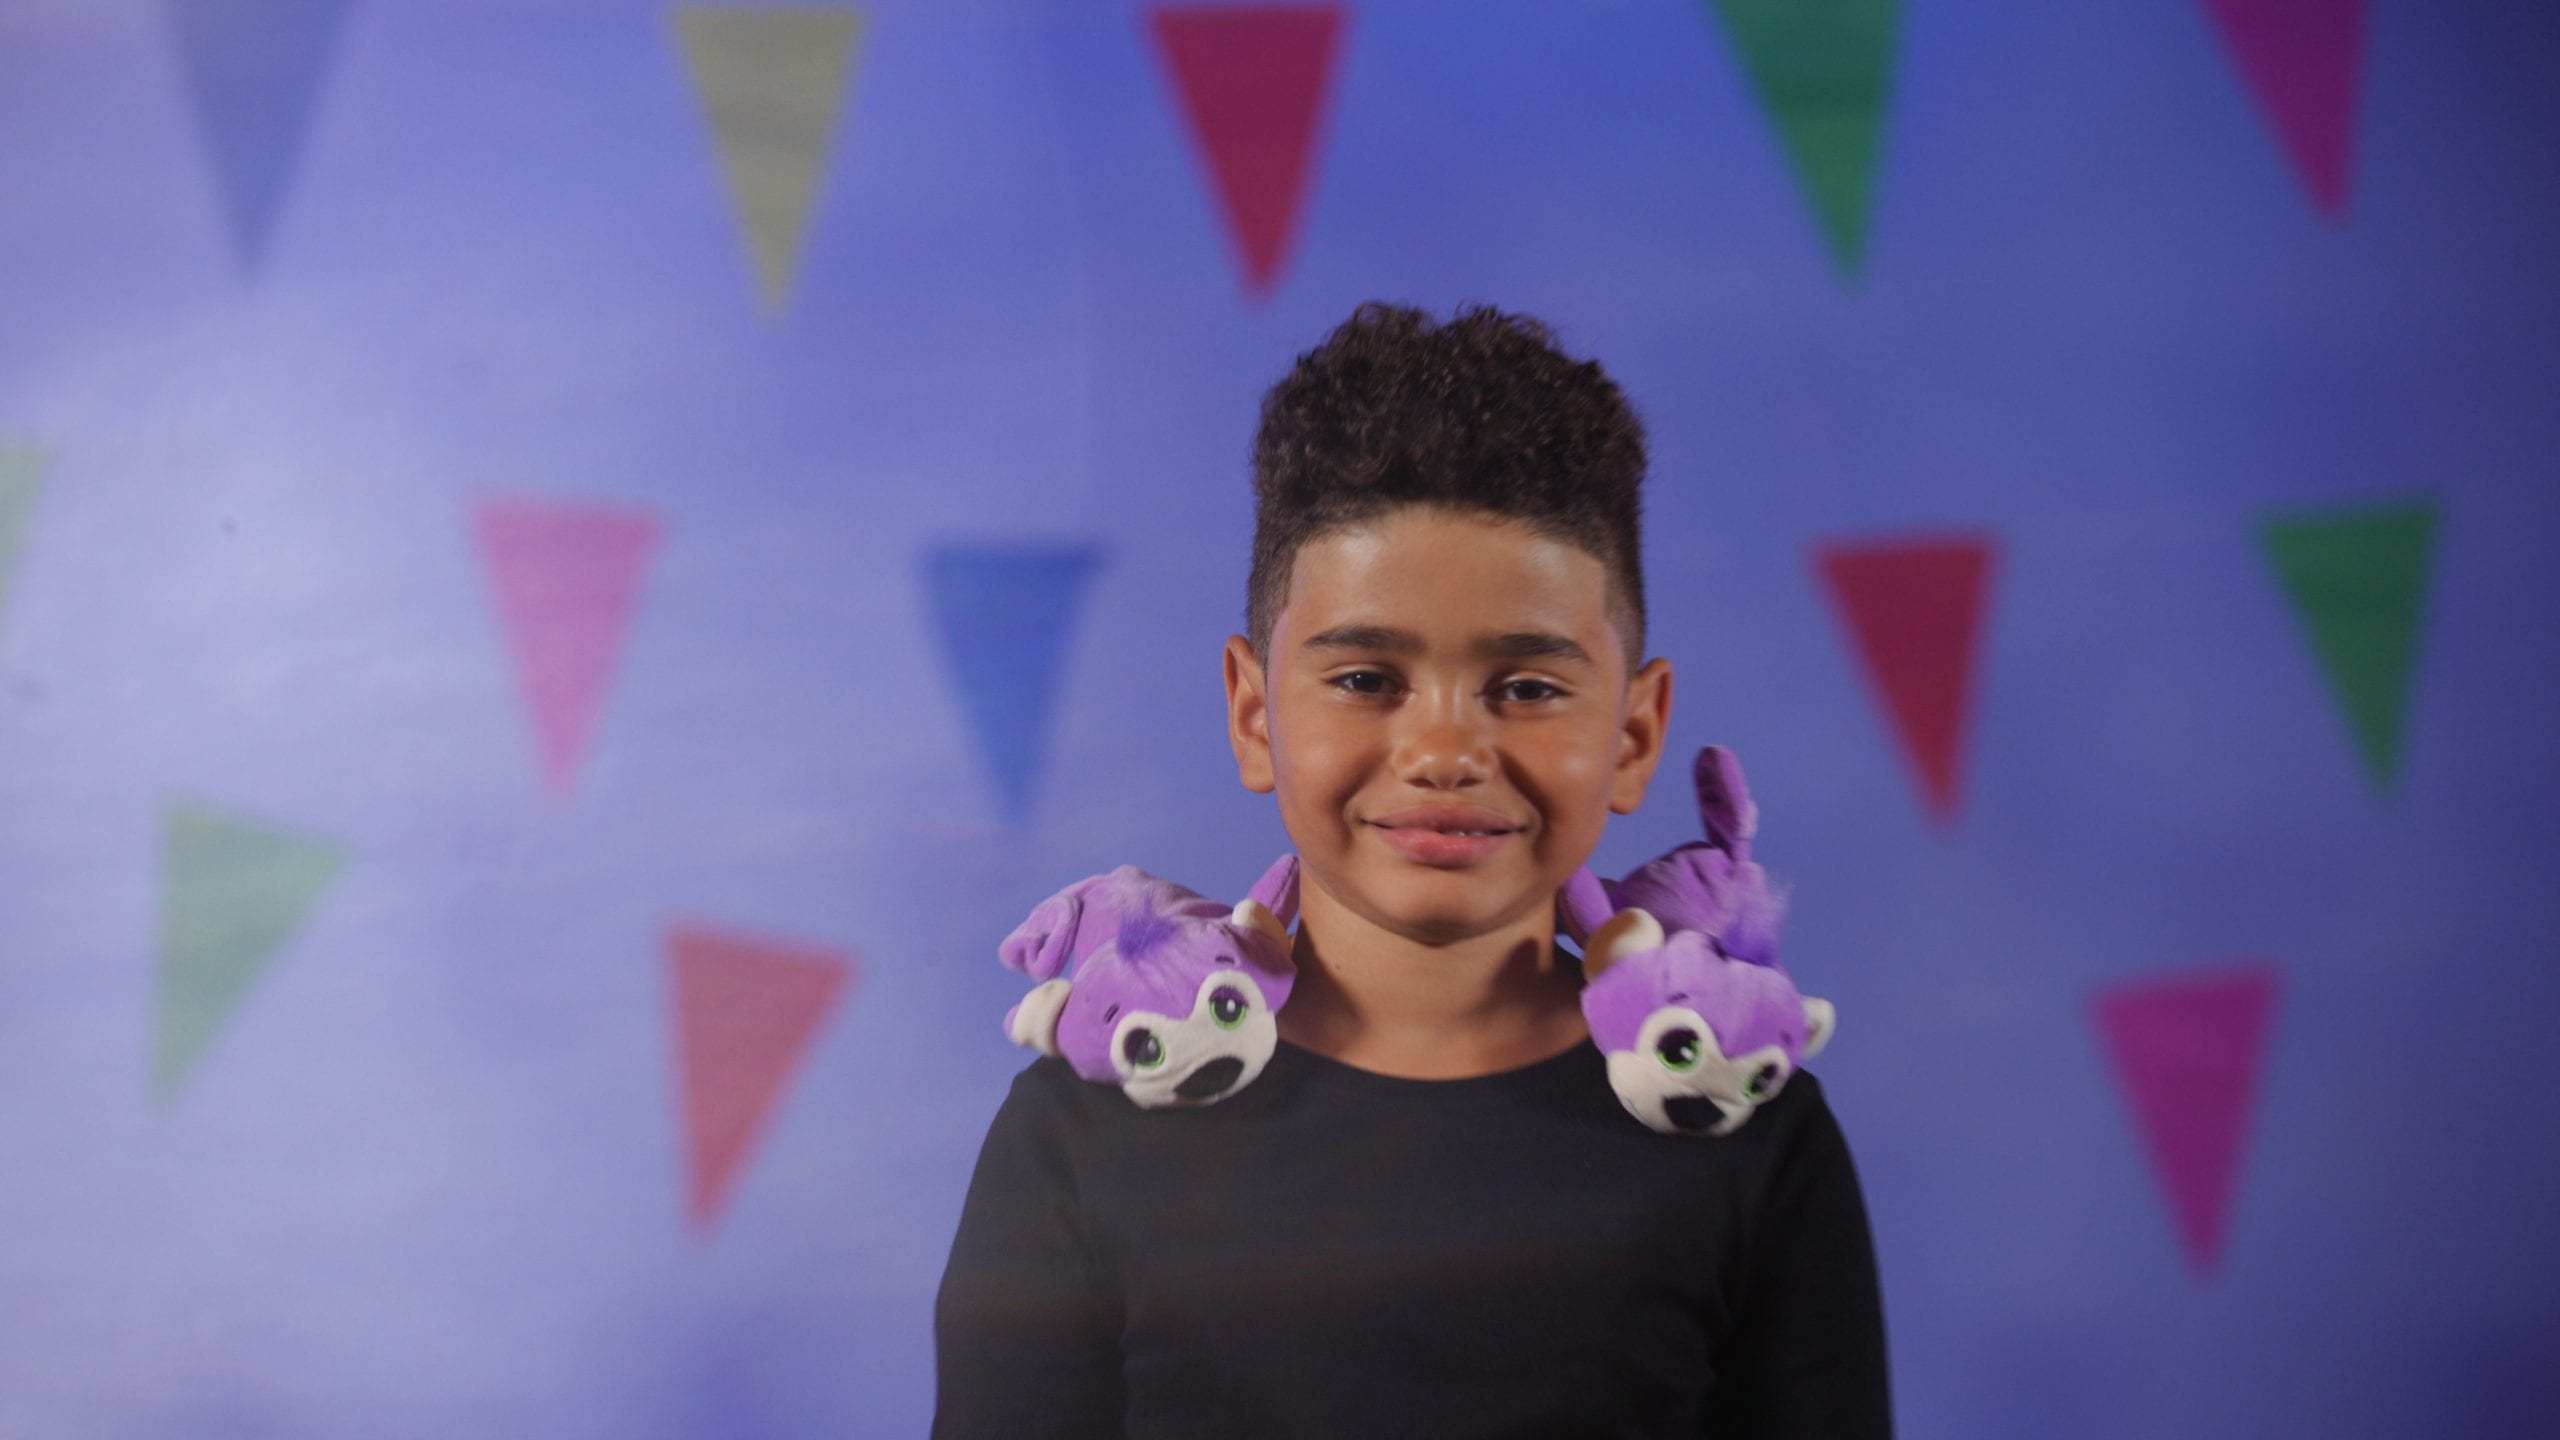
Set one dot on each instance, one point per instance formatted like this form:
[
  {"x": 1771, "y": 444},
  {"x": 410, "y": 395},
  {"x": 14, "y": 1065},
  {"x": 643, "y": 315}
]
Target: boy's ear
[
  {"x": 1248, "y": 716},
  {"x": 1640, "y": 732}
]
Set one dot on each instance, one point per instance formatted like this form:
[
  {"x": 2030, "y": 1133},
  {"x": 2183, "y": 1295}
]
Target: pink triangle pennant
[
  {"x": 745, "y": 1011},
  {"x": 566, "y": 578},
  {"x": 2186, "y": 1051},
  {"x": 1252, "y": 83},
  {"x": 1915, "y": 609},
  {"x": 2300, "y": 58}
]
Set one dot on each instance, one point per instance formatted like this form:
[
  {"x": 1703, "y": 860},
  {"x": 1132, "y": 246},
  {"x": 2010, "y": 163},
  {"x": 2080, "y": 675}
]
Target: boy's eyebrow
[
  {"x": 1366, "y": 637},
  {"x": 1510, "y": 649},
  {"x": 1532, "y": 645}
]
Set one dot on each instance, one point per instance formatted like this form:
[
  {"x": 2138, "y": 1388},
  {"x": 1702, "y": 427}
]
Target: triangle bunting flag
[
  {"x": 1252, "y": 83},
  {"x": 233, "y": 892},
  {"x": 255, "y": 68},
  {"x": 1821, "y": 69},
  {"x": 745, "y": 1010},
  {"x": 1915, "y": 611},
  {"x": 1004, "y": 616},
  {"x": 2357, "y": 579},
  {"x": 2300, "y": 59},
  {"x": 21, "y": 477},
  {"x": 771, "y": 83},
  {"x": 2186, "y": 1053},
  {"x": 566, "y": 579}
]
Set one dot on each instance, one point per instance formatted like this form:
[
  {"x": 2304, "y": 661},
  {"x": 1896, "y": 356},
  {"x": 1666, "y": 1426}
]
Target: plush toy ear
[
  {"x": 1277, "y": 890},
  {"x": 1819, "y": 1021},
  {"x": 1033, "y": 1024},
  {"x": 1629, "y": 932},
  {"x": 1044, "y": 942},
  {"x": 1271, "y": 904},
  {"x": 1724, "y": 802}
]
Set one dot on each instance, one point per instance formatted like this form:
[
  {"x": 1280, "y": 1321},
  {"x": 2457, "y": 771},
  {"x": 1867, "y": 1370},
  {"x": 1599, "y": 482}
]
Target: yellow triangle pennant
[{"x": 771, "y": 82}]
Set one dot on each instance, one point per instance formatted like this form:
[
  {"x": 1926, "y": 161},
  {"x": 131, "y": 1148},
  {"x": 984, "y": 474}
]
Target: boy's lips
[{"x": 1449, "y": 836}]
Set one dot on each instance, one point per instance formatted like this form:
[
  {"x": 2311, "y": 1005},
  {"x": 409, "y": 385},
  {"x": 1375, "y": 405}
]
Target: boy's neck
[{"x": 1381, "y": 1001}]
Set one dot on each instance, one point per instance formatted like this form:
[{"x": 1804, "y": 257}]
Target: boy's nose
[{"x": 1443, "y": 753}]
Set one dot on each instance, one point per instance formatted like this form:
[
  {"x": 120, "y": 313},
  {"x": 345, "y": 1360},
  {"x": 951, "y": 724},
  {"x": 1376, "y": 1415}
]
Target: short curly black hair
[{"x": 1483, "y": 413}]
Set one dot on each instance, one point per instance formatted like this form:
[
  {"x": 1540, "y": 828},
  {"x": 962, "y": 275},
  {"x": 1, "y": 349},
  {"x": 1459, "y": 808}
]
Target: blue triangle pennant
[
  {"x": 255, "y": 68},
  {"x": 1004, "y": 614}
]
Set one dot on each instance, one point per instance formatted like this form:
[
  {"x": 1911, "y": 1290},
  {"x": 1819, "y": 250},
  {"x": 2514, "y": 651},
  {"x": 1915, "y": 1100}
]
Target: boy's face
[{"x": 1447, "y": 719}]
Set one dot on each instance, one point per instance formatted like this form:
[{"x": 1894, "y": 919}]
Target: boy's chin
[{"x": 1445, "y": 910}]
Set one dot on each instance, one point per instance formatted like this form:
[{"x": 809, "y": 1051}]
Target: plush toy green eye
[
  {"x": 1227, "y": 1008},
  {"x": 1677, "y": 1050},
  {"x": 1143, "y": 1049},
  {"x": 1764, "y": 1083}
]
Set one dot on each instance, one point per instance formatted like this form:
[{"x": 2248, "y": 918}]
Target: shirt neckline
[{"x": 1530, "y": 1074}]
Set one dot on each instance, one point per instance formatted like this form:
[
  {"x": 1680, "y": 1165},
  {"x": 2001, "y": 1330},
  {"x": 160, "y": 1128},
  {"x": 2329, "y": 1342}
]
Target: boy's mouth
[{"x": 1448, "y": 836}]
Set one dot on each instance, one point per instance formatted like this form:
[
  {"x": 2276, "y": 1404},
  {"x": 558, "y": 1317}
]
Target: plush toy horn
[
  {"x": 1607, "y": 934},
  {"x": 1272, "y": 902}
]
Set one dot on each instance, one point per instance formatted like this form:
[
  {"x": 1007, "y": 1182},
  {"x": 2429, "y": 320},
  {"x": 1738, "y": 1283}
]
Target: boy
[{"x": 1429, "y": 1216}]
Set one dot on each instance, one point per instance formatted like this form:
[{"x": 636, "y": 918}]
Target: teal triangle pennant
[
  {"x": 234, "y": 891},
  {"x": 21, "y": 477},
  {"x": 1821, "y": 69},
  {"x": 2357, "y": 579}
]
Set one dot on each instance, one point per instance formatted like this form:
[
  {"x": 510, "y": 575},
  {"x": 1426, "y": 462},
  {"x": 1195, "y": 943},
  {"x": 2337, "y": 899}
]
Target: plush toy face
[
  {"x": 1149, "y": 987},
  {"x": 1696, "y": 1040},
  {"x": 1219, "y": 1044}
]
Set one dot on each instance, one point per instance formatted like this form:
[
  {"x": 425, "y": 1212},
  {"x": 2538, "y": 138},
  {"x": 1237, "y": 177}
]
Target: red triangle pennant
[
  {"x": 1252, "y": 82},
  {"x": 566, "y": 578},
  {"x": 745, "y": 1010},
  {"x": 2300, "y": 58},
  {"x": 1915, "y": 611},
  {"x": 2186, "y": 1052}
]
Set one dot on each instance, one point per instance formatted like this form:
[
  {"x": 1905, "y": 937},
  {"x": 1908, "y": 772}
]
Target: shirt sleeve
[
  {"x": 1805, "y": 1359},
  {"x": 1026, "y": 1332}
]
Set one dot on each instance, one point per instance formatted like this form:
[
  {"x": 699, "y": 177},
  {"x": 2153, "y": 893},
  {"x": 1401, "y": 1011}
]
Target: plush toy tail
[{"x": 1724, "y": 802}]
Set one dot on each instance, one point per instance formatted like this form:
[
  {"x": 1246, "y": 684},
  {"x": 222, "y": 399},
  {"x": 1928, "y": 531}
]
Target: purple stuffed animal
[
  {"x": 1682, "y": 988},
  {"x": 1147, "y": 986}
]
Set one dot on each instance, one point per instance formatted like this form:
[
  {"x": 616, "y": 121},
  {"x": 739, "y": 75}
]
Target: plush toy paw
[
  {"x": 1699, "y": 1024},
  {"x": 1145, "y": 985}
]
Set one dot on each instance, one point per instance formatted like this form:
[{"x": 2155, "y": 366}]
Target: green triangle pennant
[
  {"x": 2357, "y": 579},
  {"x": 21, "y": 476},
  {"x": 235, "y": 891},
  {"x": 771, "y": 83},
  {"x": 1820, "y": 67}
]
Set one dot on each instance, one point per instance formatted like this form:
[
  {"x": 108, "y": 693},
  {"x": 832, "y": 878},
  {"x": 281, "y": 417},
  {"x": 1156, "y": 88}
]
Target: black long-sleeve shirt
[{"x": 1335, "y": 1254}]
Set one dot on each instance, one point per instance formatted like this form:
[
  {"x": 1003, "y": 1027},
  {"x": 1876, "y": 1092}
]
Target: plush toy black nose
[
  {"x": 1212, "y": 1078},
  {"x": 1693, "y": 1112}
]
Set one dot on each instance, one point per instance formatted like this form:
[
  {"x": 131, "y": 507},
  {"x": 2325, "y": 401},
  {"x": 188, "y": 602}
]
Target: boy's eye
[
  {"x": 1362, "y": 682},
  {"x": 1524, "y": 691}
]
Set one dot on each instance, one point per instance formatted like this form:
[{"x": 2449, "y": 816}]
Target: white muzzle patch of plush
[
  {"x": 1201, "y": 1057},
  {"x": 1678, "y": 1080}
]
